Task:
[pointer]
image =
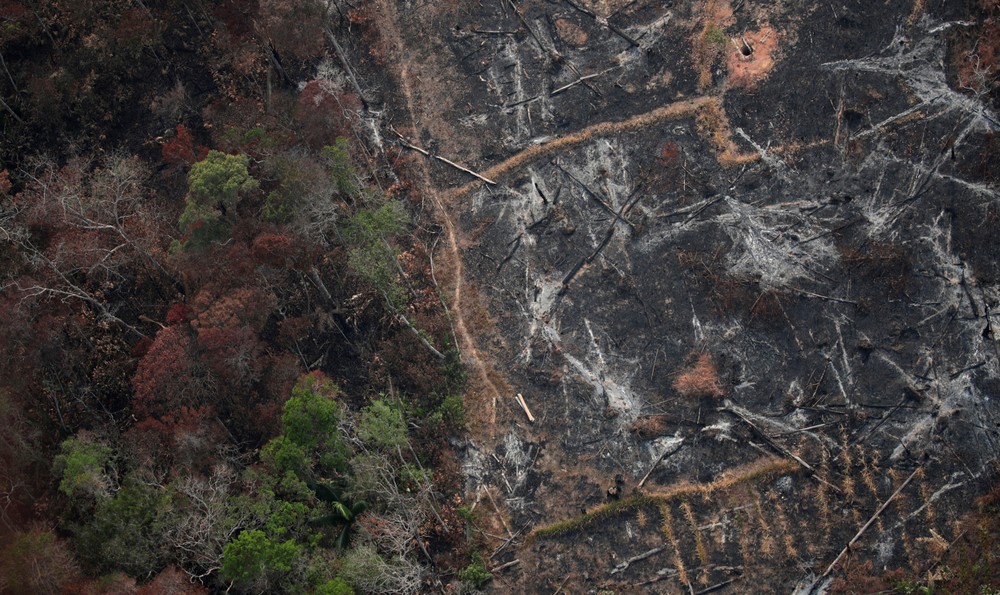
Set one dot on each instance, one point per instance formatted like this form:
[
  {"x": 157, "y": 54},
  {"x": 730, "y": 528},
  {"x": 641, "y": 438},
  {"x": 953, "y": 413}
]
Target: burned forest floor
[{"x": 742, "y": 256}]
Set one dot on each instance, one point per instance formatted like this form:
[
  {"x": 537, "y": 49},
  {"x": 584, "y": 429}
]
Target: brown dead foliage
[
  {"x": 701, "y": 379},
  {"x": 650, "y": 426}
]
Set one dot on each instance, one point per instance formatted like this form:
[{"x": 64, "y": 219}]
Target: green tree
[
  {"x": 310, "y": 415},
  {"x": 370, "y": 225},
  {"x": 127, "y": 532},
  {"x": 310, "y": 422},
  {"x": 382, "y": 425},
  {"x": 475, "y": 573},
  {"x": 338, "y": 162},
  {"x": 220, "y": 179},
  {"x": 81, "y": 466},
  {"x": 284, "y": 454},
  {"x": 215, "y": 185},
  {"x": 337, "y": 586},
  {"x": 253, "y": 559},
  {"x": 286, "y": 518},
  {"x": 370, "y": 255}
]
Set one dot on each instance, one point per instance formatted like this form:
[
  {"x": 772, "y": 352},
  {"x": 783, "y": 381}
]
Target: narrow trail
[
  {"x": 470, "y": 352},
  {"x": 707, "y": 108},
  {"x": 713, "y": 126}
]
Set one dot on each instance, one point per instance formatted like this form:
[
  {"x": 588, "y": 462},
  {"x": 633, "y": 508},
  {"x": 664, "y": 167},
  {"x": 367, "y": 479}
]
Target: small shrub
[
  {"x": 452, "y": 410},
  {"x": 716, "y": 36},
  {"x": 475, "y": 573}
]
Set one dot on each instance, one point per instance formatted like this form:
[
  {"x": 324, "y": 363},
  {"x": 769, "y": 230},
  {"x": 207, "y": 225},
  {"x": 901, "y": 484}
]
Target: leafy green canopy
[
  {"x": 253, "y": 556},
  {"x": 311, "y": 414},
  {"x": 367, "y": 233},
  {"x": 338, "y": 161},
  {"x": 215, "y": 185},
  {"x": 81, "y": 466},
  {"x": 127, "y": 531},
  {"x": 219, "y": 179},
  {"x": 382, "y": 425},
  {"x": 311, "y": 435}
]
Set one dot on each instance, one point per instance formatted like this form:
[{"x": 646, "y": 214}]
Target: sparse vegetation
[
  {"x": 757, "y": 471},
  {"x": 717, "y": 36}
]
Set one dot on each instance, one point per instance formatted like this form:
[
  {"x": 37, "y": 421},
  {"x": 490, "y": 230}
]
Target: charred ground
[{"x": 755, "y": 241}]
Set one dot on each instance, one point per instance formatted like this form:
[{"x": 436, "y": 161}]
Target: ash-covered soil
[{"x": 743, "y": 251}]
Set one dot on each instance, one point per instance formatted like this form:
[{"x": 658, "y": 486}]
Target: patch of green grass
[{"x": 716, "y": 36}]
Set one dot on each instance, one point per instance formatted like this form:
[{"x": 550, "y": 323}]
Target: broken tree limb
[
  {"x": 497, "y": 551},
  {"x": 781, "y": 450},
  {"x": 505, "y": 566},
  {"x": 624, "y": 565},
  {"x": 572, "y": 273},
  {"x": 510, "y": 254},
  {"x": 466, "y": 170},
  {"x": 885, "y": 417},
  {"x": 408, "y": 144},
  {"x": 584, "y": 261},
  {"x": 10, "y": 110},
  {"x": 660, "y": 575},
  {"x": 531, "y": 31},
  {"x": 618, "y": 32},
  {"x": 700, "y": 210},
  {"x": 522, "y": 102},
  {"x": 347, "y": 66},
  {"x": 422, "y": 339},
  {"x": 717, "y": 586},
  {"x": 687, "y": 209},
  {"x": 992, "y": 336},
  {"x": 579, "y": 81},
  {"x": 426, "y": 153},
  {"x": 616, "y": 214},
  {"x": 605, "y": 22},
  {"x": 273, "y": 57},
  {"x": 562, "y": 584},
  {"x": 807, "y": 293},
  {"x": 581, "y": 9},
  {"x": 499, "y": 512},
  {"x": 864, "y": 528},
  {"x": 607, "y": 238},
  {"x": 524, "y": 405},
  {"x": 669, "y": 450}
]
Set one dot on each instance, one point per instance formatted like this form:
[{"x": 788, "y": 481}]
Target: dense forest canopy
[{"x": 227, "y": 363}]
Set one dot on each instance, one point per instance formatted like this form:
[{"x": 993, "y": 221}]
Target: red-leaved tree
[
  {"x": 181, "y": 150},
  {"x": 323, "y": 112},
  {"x": 169, "y": 376}
]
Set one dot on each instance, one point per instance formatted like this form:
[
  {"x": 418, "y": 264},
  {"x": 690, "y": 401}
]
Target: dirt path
[
  {"x": 471, "y": 355},
  {"x": 713, "y": 126},
  {"x": 707, "y": 108}
]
